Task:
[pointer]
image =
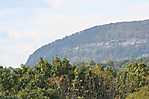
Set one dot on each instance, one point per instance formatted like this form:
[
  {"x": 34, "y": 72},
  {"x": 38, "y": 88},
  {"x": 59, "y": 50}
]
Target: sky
[{"x": 26, "y": 25}]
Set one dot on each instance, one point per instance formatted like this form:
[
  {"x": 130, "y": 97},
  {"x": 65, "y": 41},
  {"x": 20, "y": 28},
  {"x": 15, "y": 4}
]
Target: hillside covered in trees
[
  {"x": 116, "y": 41},
  {"x": 62, "y": 80}
]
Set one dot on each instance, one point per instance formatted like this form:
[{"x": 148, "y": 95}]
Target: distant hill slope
[{"x": 116, "y": 41}]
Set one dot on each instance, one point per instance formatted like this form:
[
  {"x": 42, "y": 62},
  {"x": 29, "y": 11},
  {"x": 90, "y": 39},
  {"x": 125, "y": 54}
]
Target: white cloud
[
  {"x": 55, "y": 3},
  {"x": 23, "y": 35},
  {"x": 140, "y": 10}
]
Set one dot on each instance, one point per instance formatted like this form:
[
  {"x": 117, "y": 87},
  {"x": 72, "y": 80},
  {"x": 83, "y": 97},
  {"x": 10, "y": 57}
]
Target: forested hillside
[
  {"x": 62, "y": 80},
  {"x": 116, "y": 41}
]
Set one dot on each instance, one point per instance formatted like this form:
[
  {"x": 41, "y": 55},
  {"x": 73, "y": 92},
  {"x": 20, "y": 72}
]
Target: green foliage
[
  {"x": 143, "y": 93},
  {"x": 62, "y": 80},
  {"x": 131, "y": 78}
]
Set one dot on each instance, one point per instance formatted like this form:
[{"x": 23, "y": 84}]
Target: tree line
[{"x": 62, "y": 80}]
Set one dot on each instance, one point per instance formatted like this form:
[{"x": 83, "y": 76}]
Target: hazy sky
[{"x": 26, "y": 25}]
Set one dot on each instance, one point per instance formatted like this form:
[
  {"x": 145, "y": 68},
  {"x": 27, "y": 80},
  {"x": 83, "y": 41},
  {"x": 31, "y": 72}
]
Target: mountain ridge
[{"x": 81, "y": 45}]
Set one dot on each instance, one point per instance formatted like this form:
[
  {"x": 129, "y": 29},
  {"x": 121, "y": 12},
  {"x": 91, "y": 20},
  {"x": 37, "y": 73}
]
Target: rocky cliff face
[{"x": 116, "y": 41}]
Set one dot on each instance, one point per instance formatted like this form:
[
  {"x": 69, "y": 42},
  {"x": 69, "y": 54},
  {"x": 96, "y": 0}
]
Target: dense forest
[{"x": 62, "y": 80}]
